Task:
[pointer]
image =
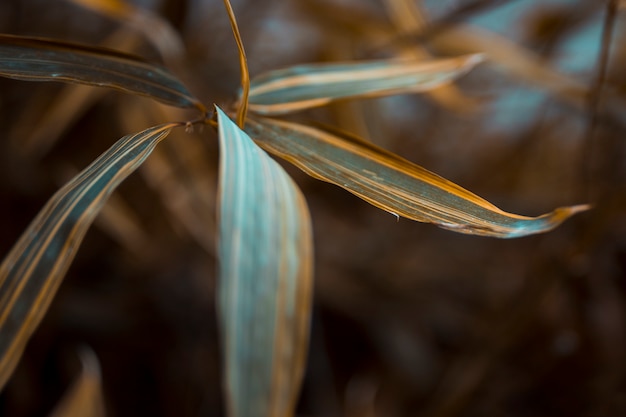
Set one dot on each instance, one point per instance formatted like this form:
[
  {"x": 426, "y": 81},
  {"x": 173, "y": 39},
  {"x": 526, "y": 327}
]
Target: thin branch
[{"x": 243, "y": 63}]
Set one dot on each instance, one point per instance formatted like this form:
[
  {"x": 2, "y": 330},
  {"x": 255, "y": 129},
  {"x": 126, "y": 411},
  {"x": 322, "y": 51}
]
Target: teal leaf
[
  {"x": 392, "y": 183},
  {"x": 37, "y": 59},
  {"x": 34, "y": 268},
  {"x": 304, "y": 86},
  {"x": 265, "y": 278}
]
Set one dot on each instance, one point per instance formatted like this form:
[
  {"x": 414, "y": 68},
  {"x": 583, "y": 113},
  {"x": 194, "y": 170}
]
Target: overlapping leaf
[
  {"x": 35, "y": 59},
  {"x": 33, "y": 270},
  {"x": 265, "y": 276},
  {"x": 392, "y": 183},
  {"x": 301, "y": 87}
]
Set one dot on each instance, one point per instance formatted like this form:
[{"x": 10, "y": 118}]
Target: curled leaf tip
[
  {"x": 571, "y": 210},
  {"x": 561, "y": 214},
  {"x": 548, "y": 221}
]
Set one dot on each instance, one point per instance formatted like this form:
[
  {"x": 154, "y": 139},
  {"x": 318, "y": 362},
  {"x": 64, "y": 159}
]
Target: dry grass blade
[
  {"x": 84, "y": 398},
  {"x": 34, "y": 268},
  {"x": 265, "y": 278},
  {"x": 35, "y": 59},
  {"x": 305, "y": 86},
  {"x": 392, "y": 183}
]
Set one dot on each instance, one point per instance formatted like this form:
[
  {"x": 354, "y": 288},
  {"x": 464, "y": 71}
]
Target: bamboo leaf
[
  {"x": 36, "y": 59},
  {"x": 37, "y": 131},
  {"x": 296, "y": 88},
  {"x": 392, "y": 183},
  {"x": 34, "y": 268},
  {"x": 265, "y": 278}
]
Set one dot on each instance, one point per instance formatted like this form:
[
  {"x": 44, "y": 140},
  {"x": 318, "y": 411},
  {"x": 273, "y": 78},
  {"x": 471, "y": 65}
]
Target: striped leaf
[
  {"x": 33, "y": 270},
  {"x": 35, "y": 59},
  {"x": 265, "y": 277},
  {"x": 301, "y": 87},
  {"x": 392, "y": 183}
]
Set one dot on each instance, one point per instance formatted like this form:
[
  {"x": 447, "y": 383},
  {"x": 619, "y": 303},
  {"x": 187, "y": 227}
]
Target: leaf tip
[
  {"x": 562, "y": 213},
  {"x": 550, "y": 220},
  {"x": 475, "y": 59}
]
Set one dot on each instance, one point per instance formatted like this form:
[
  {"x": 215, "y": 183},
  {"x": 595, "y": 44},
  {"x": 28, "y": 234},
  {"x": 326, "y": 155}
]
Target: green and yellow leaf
[
  {"x": 34, "y": 268},
  {"x": 265, "y": 278},
  {"x": 36, "y": 59},
  {"x": 301, "y": 87},
  {"x": 393, "y": 183}
]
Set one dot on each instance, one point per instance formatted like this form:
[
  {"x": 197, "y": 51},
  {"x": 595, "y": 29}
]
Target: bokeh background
[{"x": 409, "y": 319}]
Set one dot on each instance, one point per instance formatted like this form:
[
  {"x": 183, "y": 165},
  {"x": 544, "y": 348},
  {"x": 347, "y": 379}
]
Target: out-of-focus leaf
[
  {"x": 392, "y": 183},
  {"x": 265, "y": 277},
  {"x": 153, "y": 27},
  {"x": 408, "y": 18},
  {"x": 34, "y": 268},
  {"x": 84, "y": 398},
  {"x": 121, "y": 222},
  {"x": 35, "y": 59},
  {"x": 512, "y": 58},
  {"x": 180, "y": 172},
  {"x": 461, "y": 38},
  {"x": 301, "y": 87}
]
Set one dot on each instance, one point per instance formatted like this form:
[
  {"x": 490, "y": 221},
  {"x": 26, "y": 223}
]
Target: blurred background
[{"x": 409, "y": 319}]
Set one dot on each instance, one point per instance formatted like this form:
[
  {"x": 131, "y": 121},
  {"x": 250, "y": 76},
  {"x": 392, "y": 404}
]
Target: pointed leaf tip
[
  {"x": 393, "y": 183},
  {"x": 305, "y": 86}
]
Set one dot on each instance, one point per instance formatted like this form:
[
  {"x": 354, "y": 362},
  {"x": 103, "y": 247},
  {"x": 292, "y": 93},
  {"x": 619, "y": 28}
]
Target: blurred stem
[
  {"x": 595, "y": 94},
  {"x": 422, "y": 34}
]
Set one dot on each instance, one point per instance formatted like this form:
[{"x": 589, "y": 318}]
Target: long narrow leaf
[
  {"x": 392, "y": 183},
  {"x": 33, "y": 270},
  {"x": 301, "y": 87},
  {"x": 35, "y": 59},
  {"x": 265, "y": 278}
]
